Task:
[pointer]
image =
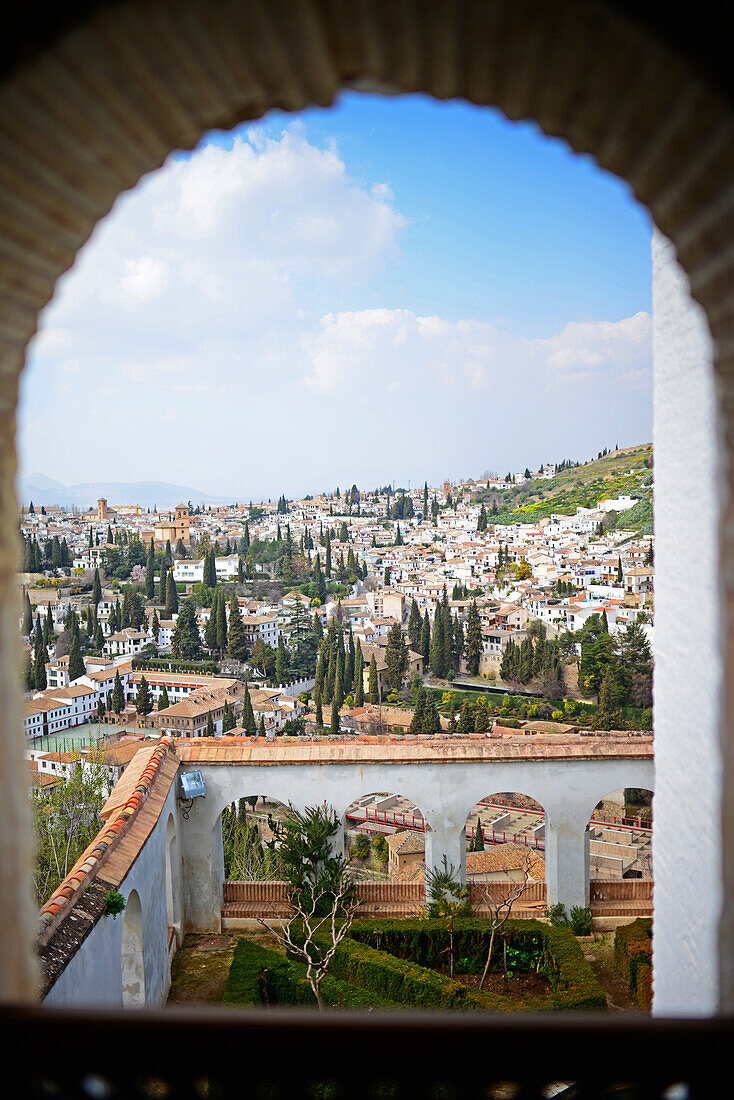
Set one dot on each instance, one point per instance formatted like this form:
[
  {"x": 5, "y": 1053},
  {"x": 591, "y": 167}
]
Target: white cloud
[
  {"x": 390, "y": 345},
  {"x": 225, "y": 241},
  {"x": 591, "y": 344}
]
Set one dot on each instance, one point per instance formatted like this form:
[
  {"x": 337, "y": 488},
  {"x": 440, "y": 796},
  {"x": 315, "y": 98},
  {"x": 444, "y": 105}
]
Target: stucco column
[
  {"x": 445, "y": 837},
  {"x": 203, "y": 862},
  {"x": 687, "y": 859},
  {"x": 567, "y": 861}
]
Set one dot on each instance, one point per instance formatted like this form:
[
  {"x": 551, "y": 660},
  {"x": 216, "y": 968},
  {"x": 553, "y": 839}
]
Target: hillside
[{"x": 622, "y": 472}]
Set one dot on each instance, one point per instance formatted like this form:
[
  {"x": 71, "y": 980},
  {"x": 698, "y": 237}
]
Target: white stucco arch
[
  {"x": 444, "y": 790},
  {"x": 132, "y": 960}
]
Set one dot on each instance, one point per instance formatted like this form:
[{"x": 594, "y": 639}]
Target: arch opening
[
  {"x": 385, "y": 839},
  {"x": 133, "y": 957}
]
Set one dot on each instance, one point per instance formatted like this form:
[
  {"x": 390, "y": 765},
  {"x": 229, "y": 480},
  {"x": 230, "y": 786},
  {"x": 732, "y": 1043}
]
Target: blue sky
[{"x": 390, "y": 289}]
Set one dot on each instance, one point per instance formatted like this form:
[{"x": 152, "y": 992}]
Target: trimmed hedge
[
  {"x": 389, "y": 964},
  {"x": 633, "y": 959},
  {"x": 403, "y": 982},
  {"x": 423, "y": 943},
  {"x": 258, "y": 975}
]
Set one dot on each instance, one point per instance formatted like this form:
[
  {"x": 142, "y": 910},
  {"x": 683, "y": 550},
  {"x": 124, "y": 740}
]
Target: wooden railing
[{"x": 629, "y": 897}]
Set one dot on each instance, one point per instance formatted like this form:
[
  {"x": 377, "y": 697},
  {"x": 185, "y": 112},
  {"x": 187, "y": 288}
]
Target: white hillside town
[{"x": 478, "y": 618}]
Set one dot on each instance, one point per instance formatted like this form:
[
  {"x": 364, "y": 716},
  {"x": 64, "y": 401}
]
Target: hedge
[
  {"x": 172, "y": 665},
  {"x": 395, "y": 979},
  {"x": 633, "y": 958},
  {"x": 260, "y": 975},
  {"x": 423, "y": 944}
]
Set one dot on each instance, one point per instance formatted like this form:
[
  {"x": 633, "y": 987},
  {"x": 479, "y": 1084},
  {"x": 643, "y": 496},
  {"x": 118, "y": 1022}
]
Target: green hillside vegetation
[{"x": 623, "y": 472}]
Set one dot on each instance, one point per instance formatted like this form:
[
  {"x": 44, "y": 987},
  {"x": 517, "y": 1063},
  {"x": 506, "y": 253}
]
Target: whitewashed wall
[{"x": 688, "y": 668}]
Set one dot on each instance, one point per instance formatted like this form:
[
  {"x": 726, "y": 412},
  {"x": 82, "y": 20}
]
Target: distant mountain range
[{"x": 44, "y": 490}]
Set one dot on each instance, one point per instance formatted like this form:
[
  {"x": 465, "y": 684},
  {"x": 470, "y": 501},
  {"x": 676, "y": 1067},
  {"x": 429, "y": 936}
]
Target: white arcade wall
[{"x": 688, "y": 666}]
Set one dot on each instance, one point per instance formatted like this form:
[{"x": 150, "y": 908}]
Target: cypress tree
[
  {"x": 425, "y": 642},
  {"x": 171, "y": 596},
  {"x": 237, "y": 644},
  {"x": 416, "y": 723},
  {"x": 163, "y": 700},
  {"x": 143, "y": 699},
  {"x": 373, "y": 685},
  {"x": 261, "y": 727},
  {"x": 359, "y": 676},
  {"x": 118, "y": 695},
  {"x": 221, "y": 623},
  {"x": 209, "y": 725},
  {"x": 27, "y": 627},
  {"x": 319, "y": 713},
  {"x": 210, "y": 628},
  {"x": 473, "y": 639},
  {"x": 437, "y": 652},
  {"x": 150, "y": 573},
  {"x": 186, "y": 640},
  {"x": 77, "y": 667},
  {"x": 334, "y": 716}
]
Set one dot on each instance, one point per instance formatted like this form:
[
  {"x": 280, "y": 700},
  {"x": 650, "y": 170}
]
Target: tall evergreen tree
[
  {"x": 27, "y": 626},
  {"x": 359, "y": 676},
  {"x": 171, "y": 596},
  {"x": 150, "y": 573},
  {"x": 77, "y": 667},
  {"x": 374, "y": 695},
  {"x": 473, "y": 650},
  {"x": 143, "y": 699},
  {"x": 237, "y": 647},
  {"x": 163, "y": 700},
  {"x": 118, "y": 695},
  {"x": 186, "y": 640}
]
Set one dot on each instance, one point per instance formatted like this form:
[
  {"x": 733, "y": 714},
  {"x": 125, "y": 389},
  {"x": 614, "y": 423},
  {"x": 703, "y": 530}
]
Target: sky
[{"x": 388, "y": 290}]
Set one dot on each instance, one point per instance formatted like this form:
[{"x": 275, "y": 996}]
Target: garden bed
[{"x": 403, "y": 963}]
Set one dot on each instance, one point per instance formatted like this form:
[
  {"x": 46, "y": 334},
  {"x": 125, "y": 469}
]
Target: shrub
[
  {"x": 580, "y": 920},
  {"x": 259, "y": 975},
  {"x": 556, "y": 914},
  {"x": 633, "y": 959},
  {"x": 575, "y": 987},
  {"x": 114, "y": 903}
]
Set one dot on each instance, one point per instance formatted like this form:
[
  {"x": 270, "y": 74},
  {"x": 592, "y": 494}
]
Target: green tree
[
  {"x": 237, "y": 646},
  {"x": 186, "y": 640},
  {"x": 396, "y": 658},
  {"x": 163, "y": 700},
  {"x": 321, "y": 892},
  {"x": 77, "y": 667},
  {"x": 118, "y": 695},
  {"x": 373, "y": 683},
  {"x": 143, "y": 699},
  {"x": 171, "y": 596},
  {"x": 473, "y": 650}
]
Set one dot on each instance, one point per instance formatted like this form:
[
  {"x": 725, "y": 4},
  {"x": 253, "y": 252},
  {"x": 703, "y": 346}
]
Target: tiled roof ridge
[{"x": 87, "y": 867}]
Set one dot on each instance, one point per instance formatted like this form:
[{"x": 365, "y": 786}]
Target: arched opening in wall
[
  {"x": 249, "y": 838},
  {"x": 221, "y": 576},
  {"x": 133, "y": 957},
  {"x": 505, "y": 852},
  {"x": 384, "y": 839},
  {"x": 173, "y": 879},
  {"x": 620, "y": 854}
]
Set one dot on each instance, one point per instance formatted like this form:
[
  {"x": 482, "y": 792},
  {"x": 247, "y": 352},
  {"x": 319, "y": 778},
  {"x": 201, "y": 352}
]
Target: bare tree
[
  {"x": 500, "y": 910},
  {"x": 315, "y": 938},
  {"x": 321, "y": 896}
]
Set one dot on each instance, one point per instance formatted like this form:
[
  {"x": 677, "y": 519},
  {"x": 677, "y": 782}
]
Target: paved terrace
[{"x": 445, "y": 777}]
